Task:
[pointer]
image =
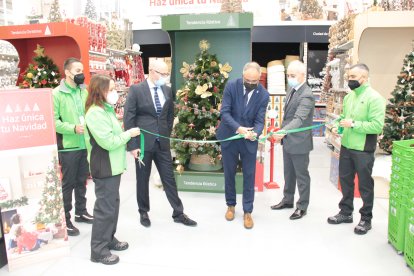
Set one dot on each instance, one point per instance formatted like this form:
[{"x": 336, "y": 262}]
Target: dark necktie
[
  {"x": 246, "y": 98},
  {"x": 290, "y": 96},
  {"x": 158, "y": 106}
]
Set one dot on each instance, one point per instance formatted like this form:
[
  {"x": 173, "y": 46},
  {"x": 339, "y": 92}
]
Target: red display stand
[
  {"x": 60, "y": 40},
  {"x": 356, "y": 190},
  {"x": 259, "y": 177}
]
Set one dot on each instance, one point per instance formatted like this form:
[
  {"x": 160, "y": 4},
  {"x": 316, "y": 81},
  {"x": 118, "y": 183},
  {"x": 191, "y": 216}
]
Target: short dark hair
[
  {"x": 361, "y": 66},
  {"x": 68, "y": 63}
]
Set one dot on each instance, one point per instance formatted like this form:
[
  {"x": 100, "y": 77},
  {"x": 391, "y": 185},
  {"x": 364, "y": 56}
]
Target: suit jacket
[
  {"x": 299, "y": 113},
  {"x": 234, "y": 114},
  {"x": 139, "y": 111}
]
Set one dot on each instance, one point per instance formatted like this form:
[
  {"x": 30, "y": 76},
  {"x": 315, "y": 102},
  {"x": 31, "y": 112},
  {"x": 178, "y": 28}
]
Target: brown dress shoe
[
  {"x": 230, "y": 213},
  {"x": 248, "y": 221}
]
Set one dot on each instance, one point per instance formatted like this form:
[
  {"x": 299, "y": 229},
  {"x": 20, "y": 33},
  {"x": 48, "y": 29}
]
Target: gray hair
[
  {"x": 297, "y": 66},
  {"x": 361, "y": 66},
  {"x": 253, "y": 65}
]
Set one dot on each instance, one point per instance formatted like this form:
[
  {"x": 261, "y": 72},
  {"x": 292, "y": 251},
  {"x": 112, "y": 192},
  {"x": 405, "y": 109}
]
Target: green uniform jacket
[
  {"x": 69, "y": 110},
  {"x": 366, "y": 107},
  {"x": 105, "y": 141}
]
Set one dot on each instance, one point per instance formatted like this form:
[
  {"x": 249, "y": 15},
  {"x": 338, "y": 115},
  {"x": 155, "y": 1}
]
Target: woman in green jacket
[{"x": 107, "y": 158}]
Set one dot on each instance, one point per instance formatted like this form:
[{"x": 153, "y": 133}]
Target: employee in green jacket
[
  {"x": 106, "y": 144},
  {"x": 69, "y": 111},
  {"x": 363, "y": 119}
]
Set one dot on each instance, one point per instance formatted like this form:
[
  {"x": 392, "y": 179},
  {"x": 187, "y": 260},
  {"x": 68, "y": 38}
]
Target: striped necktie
[{"x": 158, "y": 106}]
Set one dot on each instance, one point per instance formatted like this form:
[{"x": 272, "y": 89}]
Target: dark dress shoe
[
  {"x": 281, "y": 205},
  {"x": 144, "y": 219},
  {"x": 108, "y": 260},
  {"x": 185, "y": 220},
  {"x": 119, "y": 246},
  {"x": 298, "y": 214}
]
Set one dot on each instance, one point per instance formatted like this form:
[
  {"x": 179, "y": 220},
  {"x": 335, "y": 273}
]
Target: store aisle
[{"x": 275, "y": 246}]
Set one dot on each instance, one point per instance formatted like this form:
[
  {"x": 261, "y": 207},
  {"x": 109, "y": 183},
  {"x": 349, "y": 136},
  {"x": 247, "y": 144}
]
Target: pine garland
[{"x": 13, "y": 203}]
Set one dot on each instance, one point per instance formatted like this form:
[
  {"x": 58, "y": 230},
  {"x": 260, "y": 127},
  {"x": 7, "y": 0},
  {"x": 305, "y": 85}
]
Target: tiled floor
[{"x": 275, "y": 246}]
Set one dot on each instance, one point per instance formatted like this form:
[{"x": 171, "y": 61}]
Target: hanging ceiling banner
[{"x": 266, "y": 12}]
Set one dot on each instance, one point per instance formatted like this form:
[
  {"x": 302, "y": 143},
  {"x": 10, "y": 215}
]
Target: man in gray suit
[
  {"x": 150, "y": 106},
  {"x": 299, "y": 108}
]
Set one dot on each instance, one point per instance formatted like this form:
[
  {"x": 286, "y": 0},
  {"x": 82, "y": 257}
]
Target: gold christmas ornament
[
  {"x": 204, "y": 45},
  {"x": 185, "y": 69},
  {"x": 180, "y": 169},
  {"x": 29, "y": 75},
  {"x": 202, "y": 91},
  {"x": 40, "y": 51},
  {"x": 225, "y": 69}
]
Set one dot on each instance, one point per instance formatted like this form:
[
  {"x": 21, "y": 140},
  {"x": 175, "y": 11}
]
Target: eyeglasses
[
  {"x": 162, "y": 74},
  {"x": 251, "y": 81}
]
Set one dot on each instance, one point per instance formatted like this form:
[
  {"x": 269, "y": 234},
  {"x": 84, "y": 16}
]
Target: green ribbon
[{"x": 235, "y": 137}]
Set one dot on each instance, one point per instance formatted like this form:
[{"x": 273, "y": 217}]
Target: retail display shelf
[
  {"x": 98, "y": 53},
  {"x": 344, "y": 47}
]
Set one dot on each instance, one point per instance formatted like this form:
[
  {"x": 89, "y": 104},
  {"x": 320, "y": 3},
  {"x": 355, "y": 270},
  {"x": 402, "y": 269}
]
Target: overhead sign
[
  {"x": 26, "y": 119},
  {"x": 207, "y": 21}
]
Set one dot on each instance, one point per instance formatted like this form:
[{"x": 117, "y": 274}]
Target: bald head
[
  {"x": 158, "y": 69},
  {"x": 296, "y": 70}
]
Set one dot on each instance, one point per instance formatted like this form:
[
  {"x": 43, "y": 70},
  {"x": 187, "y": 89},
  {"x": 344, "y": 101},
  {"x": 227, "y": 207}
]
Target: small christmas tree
[
  {"x": 311, "y": 9},
  {"x": 54, "y": 15},
  {"x": 231, "y": 6},
  {"x": 51, "y": 204},
  {"x": 90, "y": 10},
  {"x": 44, "y": 73},
  {"x": 115, "y": 38},
  {"x": 399, "y": 119},
  {"x": 198, "y": 105}
]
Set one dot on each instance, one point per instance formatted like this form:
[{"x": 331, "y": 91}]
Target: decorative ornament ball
[
  {"x": 136, "y": 47},
  {"x": 29, "y": 75}
]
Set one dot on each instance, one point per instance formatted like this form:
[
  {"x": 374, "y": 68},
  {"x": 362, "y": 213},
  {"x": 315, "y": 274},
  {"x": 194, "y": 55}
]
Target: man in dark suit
[
  {"x": 243, "y": 111},
  {"x": 299, "y": 108},
  {"x": 150, "y": 106}
]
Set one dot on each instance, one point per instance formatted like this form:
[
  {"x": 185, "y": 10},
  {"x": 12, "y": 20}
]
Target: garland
[{"x": 23, "y": 201}]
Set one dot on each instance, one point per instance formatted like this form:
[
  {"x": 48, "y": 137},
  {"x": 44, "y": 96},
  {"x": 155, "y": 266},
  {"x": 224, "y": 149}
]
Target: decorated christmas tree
[
  {"x": 310, "y": 9},
  {"x": 44, "y": 73},
  {"x": 54, "y": 15},
  {"x": 90, "y": 10},
  {"x": 51, "y": 204},
  {"x": 399, "y": 119},
  {"x": 115, "y": 38},
  {"x": 230, "y": 6},
  {"x": 198, "y": 106}
]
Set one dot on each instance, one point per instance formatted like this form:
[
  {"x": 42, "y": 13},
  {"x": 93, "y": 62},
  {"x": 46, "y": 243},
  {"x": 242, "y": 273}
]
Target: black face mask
[
  {"x": 250, "y": 86},
  {"x": 353, "y": 84},
  {"x": 79, "y": 78}
]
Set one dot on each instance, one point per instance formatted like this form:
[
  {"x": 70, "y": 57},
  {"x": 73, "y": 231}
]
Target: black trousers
[
  {"x": 361, "y": 163},
  {"x": 163, "y": 161},
  {"x": 105, "y": 215},
  {"x": 75, "y": 171}
]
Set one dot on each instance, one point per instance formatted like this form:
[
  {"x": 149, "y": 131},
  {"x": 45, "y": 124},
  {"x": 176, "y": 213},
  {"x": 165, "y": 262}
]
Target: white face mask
[{"x": 112, "y": 97}]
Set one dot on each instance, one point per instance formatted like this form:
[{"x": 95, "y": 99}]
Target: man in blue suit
[{"x": 243, "y": 111}]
